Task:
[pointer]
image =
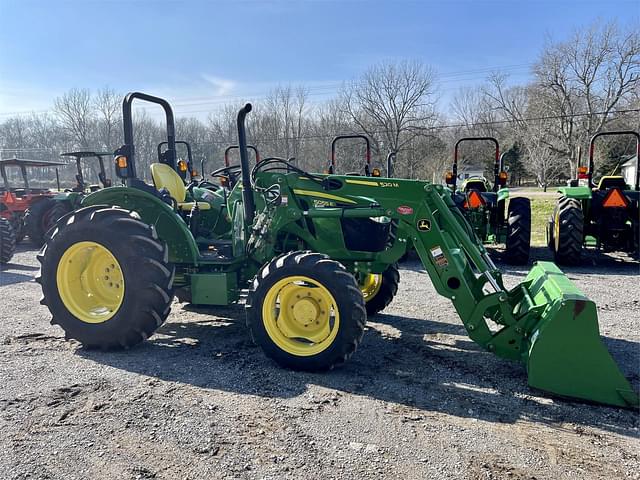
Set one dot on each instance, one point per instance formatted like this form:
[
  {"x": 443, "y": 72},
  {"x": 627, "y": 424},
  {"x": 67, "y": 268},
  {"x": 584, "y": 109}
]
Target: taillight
[{"x": 583, "y": 172}]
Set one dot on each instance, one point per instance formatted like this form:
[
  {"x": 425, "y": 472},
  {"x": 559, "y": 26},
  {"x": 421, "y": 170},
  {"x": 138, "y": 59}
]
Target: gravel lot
[{"x": 418, "y": 400}]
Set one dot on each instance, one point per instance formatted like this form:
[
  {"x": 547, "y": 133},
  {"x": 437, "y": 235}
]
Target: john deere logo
[{"x": 424, "y": 225}]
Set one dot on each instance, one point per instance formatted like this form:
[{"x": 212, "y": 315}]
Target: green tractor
[
  {"x": 300, "y": 244},
  {"x": 483, "y": 205},
  {"x": 603, "y": 215},
  {"x": 40, "y": 217},
  {"x": 229, "y": 175},
  {"x": 367, "y": 168}
]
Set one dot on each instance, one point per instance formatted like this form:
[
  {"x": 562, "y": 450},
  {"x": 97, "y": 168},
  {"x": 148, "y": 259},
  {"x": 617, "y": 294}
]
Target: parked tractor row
[{"x": 312, "y": 255}]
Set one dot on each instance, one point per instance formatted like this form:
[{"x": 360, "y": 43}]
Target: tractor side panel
[{"x": 153, "y": 211}]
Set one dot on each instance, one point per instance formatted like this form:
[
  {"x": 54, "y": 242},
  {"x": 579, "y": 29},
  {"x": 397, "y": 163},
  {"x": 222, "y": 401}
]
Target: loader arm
[{"x": 544, "y": 322}]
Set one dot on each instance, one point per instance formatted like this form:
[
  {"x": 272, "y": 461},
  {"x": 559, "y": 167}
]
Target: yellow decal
[
  {"x": 328, "y": 196},
  {"x": 362, "y": 182}
]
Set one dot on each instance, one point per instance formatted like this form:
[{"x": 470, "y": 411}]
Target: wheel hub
[
  {"x": 305, "y": 311},
  {"x": 90, "y": 282}
]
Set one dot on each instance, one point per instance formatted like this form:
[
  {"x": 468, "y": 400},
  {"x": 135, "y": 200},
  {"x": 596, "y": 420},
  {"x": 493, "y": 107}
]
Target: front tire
[
  {"x": 378, "y": 290},
  {"x": 305, "y": 311},
  {"x": 106, "y": 278},
  {"x": 7, "y": 241},
  {"x": 518, "y": 243}
]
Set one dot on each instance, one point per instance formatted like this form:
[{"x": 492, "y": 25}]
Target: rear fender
[
  {"x": 503, "y": 194},
  {"x": 579, "y": 193},
  {"x": 153, "y": 211}
]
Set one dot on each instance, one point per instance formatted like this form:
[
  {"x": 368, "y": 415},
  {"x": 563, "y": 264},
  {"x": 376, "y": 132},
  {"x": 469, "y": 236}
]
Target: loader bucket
[{"x": 566, "y": 355}]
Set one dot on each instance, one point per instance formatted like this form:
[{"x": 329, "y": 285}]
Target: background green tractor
[
  {"x": 40, "y": 217},
  {"x": 603, "y": 215},
  {"x": 299, "y": 243},
  {"x": 229, "y": 174},
  {"x": 483, "y": 205},
  {"x": 367, "y": 168}
]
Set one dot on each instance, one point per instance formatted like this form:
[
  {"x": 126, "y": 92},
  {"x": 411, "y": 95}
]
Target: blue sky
[{"x": 194, "y": 52}]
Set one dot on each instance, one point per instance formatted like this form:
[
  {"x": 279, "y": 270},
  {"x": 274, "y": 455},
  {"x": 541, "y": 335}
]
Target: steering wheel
[{"x": 230, "y": 172}]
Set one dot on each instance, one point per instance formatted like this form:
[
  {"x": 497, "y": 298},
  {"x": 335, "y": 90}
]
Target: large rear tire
[
  {"x": 568, "y": 231},
  {"x": 38, "y": 221},
  {"x": 106, "y": 278},
  {"x": 378, "y": 290},
  {"x": 7, "y": 241},
  {"x": 518, "y": 244},
  {"x": 305, "y": 311}
]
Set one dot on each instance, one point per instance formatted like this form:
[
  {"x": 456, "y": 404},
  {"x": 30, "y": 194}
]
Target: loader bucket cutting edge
[{"x": 566, "y": 354}]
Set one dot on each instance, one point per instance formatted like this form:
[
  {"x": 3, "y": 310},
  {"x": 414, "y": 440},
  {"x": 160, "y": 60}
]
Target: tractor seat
[
  {"x": 610, "y": 181},
  {"x": 165, "y": 177},
  {"x": 478, "y": 185}
]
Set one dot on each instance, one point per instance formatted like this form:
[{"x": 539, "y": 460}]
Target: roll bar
[
  {"x": 619, "y": 132},
  {"x": 367, "y": 166},
  {"x": 247, "y": 191},
  {"x": 497, "y": 166},
  {"x": 232, "y": 147},
  {"x": 128, "y": 149}
]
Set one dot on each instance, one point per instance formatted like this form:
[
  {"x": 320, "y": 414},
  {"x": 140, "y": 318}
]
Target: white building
[
  {"x": 468, "y": 171},
  {"x": 629, "y": 169}
]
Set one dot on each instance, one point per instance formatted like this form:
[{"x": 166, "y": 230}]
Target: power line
[
  {"x": 435, "y": 127},
  {"x": 325, "y": 89}
]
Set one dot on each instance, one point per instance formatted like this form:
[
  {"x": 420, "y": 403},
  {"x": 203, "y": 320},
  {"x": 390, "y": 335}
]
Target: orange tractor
[{"x": 14, "y": 201}]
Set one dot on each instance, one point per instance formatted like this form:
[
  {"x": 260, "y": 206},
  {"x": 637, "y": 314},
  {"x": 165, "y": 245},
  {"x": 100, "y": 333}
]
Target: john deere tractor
[
  {"x": 601, "y": 214},
  {"x": 40, "y": 217},
  {"x": 483, "y": 205},
  {"x": 229, "y": 175},
  {"x": 110, "y": 269}
]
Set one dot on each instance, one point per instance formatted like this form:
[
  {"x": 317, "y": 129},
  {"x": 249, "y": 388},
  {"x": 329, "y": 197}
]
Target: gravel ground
[{"x": 198, "y": 400}]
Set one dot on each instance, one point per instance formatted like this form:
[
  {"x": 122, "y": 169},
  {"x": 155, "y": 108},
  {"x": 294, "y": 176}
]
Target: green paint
[{"x": 581, "y": 193}]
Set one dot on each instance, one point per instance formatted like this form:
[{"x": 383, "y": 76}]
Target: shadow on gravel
[
  {"x": 10, "y": 278},
  {"x": 416, "y": 369}
]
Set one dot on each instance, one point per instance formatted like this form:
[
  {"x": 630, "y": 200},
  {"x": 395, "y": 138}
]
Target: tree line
[{"x": 579, "y": 86}]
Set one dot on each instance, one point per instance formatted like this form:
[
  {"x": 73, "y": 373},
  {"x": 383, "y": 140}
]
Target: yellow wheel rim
[
  {"x": 300, "y": 316},
  {"x": 371, "y": 286},
  {"x": 90, "y": 282}
]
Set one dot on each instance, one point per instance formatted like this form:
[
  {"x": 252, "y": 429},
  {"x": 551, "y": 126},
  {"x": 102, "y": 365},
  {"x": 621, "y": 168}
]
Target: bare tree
[
  {"x": 579, "y": 84},
  {"x": 107, "y": 103},
  {"x": 75, "y": 111},
  {"x": 392, "y": 103}
]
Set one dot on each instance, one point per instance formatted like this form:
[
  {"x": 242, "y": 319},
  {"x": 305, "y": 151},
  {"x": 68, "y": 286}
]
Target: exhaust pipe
[{"x": 247, "y": 193}]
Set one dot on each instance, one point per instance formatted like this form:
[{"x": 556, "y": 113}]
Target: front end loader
[
  {"x": 603, "y": 215},
  {"x": 484, "y": 207},
  {"x": 110, "y": 269}
]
